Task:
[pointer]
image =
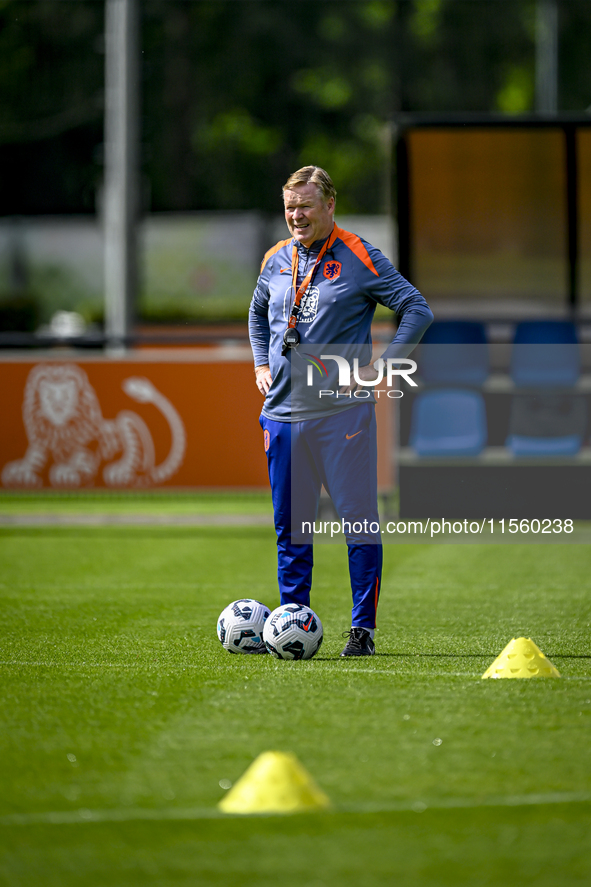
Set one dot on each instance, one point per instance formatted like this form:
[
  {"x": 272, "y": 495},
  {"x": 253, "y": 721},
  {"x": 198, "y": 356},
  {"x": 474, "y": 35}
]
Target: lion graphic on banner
[{"x": 62, "y": 417}]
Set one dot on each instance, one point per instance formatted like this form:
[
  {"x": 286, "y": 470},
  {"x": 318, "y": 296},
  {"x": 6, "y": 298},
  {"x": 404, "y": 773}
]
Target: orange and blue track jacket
[{"x": 337, "y": 308}]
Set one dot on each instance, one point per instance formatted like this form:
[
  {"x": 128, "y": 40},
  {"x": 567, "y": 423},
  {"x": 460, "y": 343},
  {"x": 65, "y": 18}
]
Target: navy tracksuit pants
[{"x": 339, "y": 452}]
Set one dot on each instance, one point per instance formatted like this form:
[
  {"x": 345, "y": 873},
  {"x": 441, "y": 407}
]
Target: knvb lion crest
[
  {"x": 65, "y": 425},
  {"x": 308, "y": 304},
  {"x": 332, "y": 270}
]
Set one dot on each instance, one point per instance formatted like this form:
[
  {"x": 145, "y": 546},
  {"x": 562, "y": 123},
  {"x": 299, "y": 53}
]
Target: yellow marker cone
[
  {"x": 521, "y": 658},
  {"x": 275, "y": 782}
]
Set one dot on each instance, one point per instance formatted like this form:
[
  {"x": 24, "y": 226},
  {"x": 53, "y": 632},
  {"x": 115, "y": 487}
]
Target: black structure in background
[
  {"x": 477, "y": 488},
  {"x": 568, "y": 123},
  {"x": 493, "y": 491}
]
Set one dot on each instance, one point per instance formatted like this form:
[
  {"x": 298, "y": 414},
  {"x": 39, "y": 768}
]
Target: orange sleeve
[
  {"x": 273, "y": 250},
  {"x": 356, "y": 246}
]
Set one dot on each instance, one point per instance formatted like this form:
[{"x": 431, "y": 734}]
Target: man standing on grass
[{"x": 316, "y": 294}]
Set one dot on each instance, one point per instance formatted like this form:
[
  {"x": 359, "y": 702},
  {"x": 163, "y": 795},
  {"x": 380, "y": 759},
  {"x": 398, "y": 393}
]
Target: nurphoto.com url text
[{"x": 432, "y": 528}]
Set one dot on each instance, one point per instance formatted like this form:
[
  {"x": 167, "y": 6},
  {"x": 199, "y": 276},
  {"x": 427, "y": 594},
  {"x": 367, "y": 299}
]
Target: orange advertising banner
[{"x": 130, "y": 423}]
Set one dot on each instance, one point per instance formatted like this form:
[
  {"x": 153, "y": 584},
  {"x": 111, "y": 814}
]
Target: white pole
[
  {"x": 547, "y": 56},
  {"x": 121, "y": 174}
]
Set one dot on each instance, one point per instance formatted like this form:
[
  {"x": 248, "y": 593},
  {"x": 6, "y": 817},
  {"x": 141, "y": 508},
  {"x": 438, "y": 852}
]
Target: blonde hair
[{"x": 313, "y": 175}]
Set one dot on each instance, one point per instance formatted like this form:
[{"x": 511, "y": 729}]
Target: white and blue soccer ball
[
  {"x": 293, "y": 631},
  {"x": 240, "y": 626}
]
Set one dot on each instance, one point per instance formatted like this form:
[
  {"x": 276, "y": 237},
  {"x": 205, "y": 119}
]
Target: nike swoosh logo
[
  {"x": 349, "y": 436},
  {"x": 281, "y": 270}
]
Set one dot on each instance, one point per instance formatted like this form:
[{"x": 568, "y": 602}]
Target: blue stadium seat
[
  {"x": 448, "y": 422},
  {"x": 454, "y": 352},
  {"x": 533, "y": 447},
  {"x": 545, "y": 354},
  {"x": 547, "y": 423}
]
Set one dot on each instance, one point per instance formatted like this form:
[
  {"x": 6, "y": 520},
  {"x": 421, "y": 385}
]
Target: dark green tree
[
  {"x": 238, "y": 93},
  {"x": 51, "y": 105}
]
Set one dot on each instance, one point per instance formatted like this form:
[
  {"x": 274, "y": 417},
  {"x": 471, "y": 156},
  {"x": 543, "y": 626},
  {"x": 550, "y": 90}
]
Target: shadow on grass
[
  {"x": 440, "y": 656},
  {"x": 571, "y": 655},
  {"x": 406, "y": 656},
  {"x": 434, "y": 655},
  {"x": 149, "y": 532},
  {"x": 471, "y": 655}
]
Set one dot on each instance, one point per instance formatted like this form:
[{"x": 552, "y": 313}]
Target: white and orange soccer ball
[
  {"x": 293, "y": 631},
  {"x": 240, "y": 626}
]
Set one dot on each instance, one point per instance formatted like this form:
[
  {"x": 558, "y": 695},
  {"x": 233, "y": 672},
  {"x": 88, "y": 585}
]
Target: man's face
[{"x": 307, "y": 215}]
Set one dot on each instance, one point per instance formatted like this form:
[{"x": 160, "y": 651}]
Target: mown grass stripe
[
  {"x": 74, "y": 519},
  {"x": 72, "y": 817},
  {"x": 152, "y": 666}
]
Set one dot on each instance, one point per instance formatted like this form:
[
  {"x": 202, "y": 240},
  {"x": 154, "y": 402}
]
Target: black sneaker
[{"x": 359, "y": 643}]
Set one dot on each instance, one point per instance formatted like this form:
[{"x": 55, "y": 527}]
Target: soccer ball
[
  {"x": 293, "y": 631},
  {"x": 240, "y": 626}
]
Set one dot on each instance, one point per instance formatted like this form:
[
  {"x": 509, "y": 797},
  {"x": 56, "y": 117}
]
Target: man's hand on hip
[
  {"x": 264, "y": 379},
  {"x": 366, "y": 374}
]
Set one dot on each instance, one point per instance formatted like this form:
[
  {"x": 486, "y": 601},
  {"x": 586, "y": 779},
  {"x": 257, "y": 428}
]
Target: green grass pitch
[{"x": 121, "y": 713}]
